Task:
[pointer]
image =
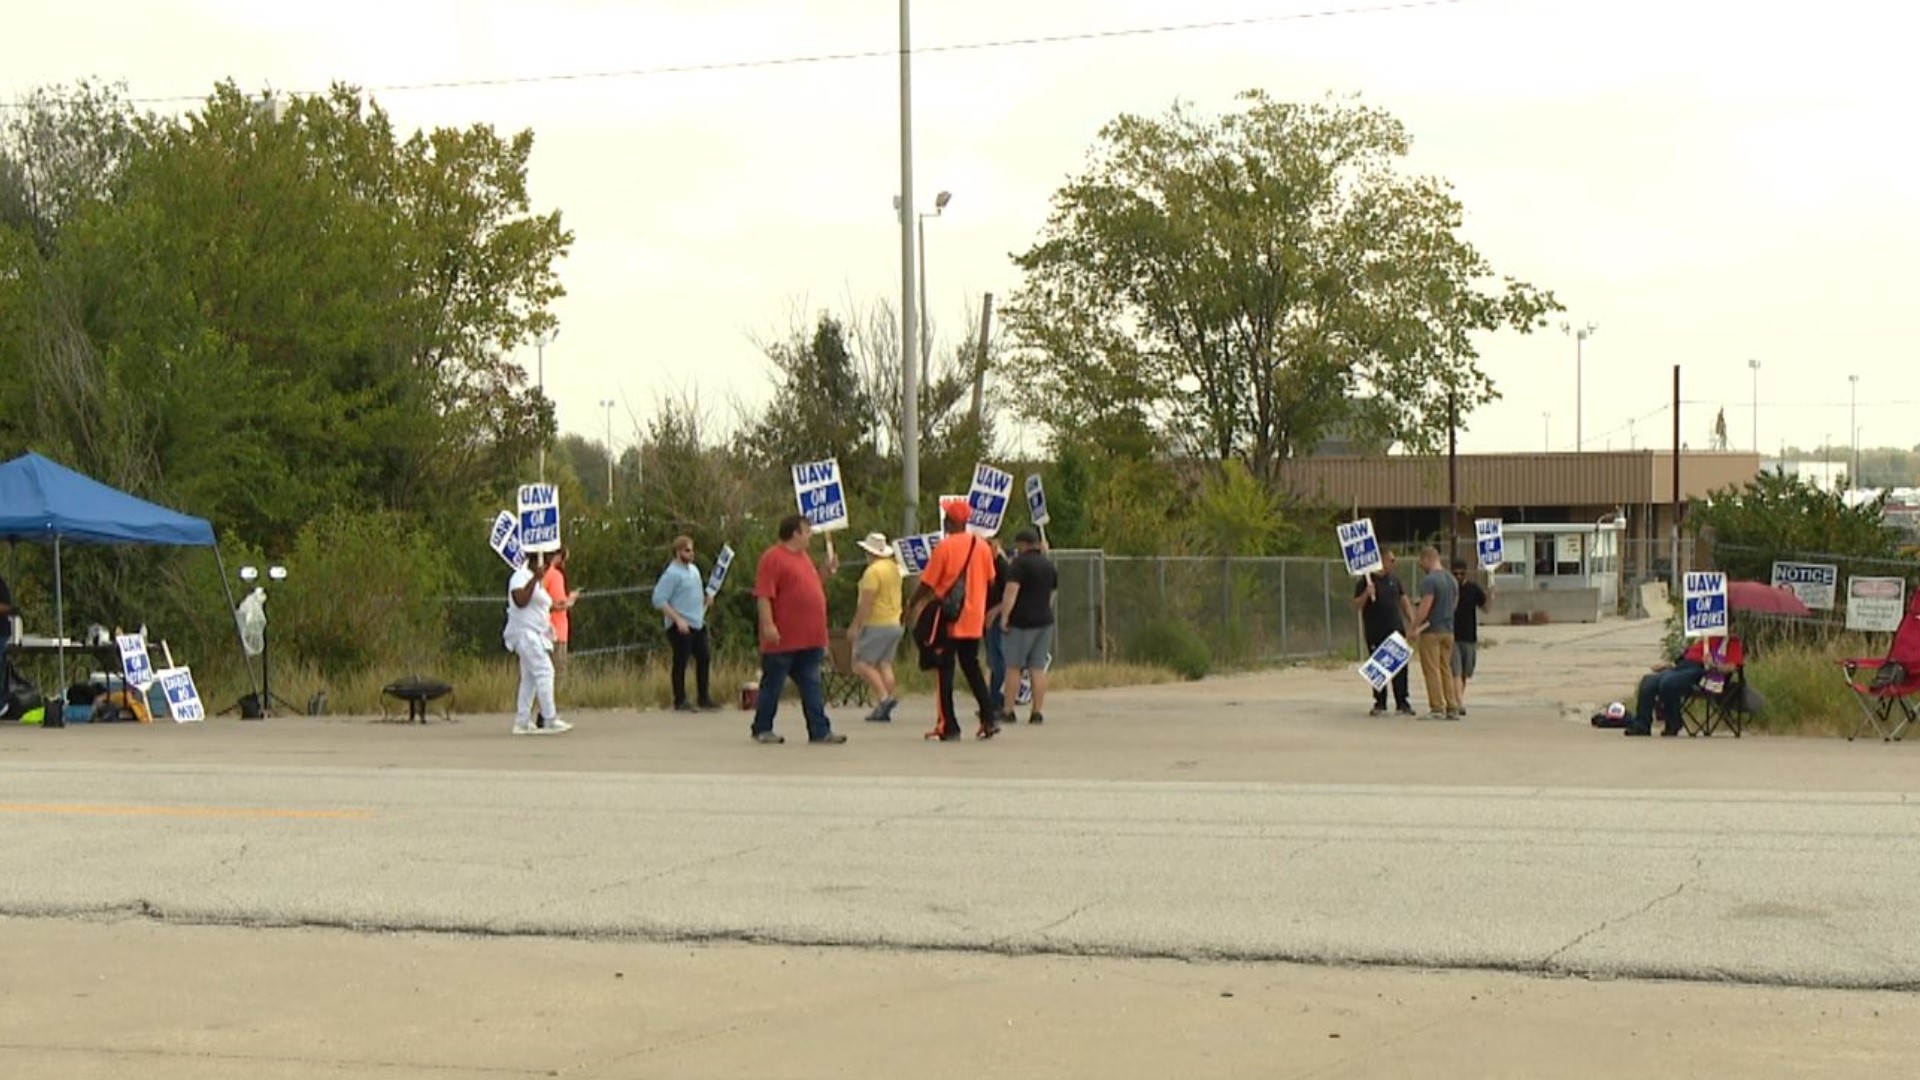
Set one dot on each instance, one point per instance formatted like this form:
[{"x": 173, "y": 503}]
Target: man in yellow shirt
[{"x": 876, "y": 630}]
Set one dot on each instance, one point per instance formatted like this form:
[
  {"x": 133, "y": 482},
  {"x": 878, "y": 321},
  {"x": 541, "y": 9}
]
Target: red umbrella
[{"x": 1764, "y": 599}]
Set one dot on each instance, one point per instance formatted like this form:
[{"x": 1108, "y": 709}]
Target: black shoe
[
  {"x": 1405, "y": 710},
  {"x": 987, "y": 731},
  {"x": 1670, "y": 732},
  {"x": 768, "y": 738},
  {"x": 681, "y": 706},
  {"x": 1035, "y": 719},
  {"x": 1006, "y": 716},
  {"x": 1635, "y": 731},
  {"x": 831, "y": 738},
  {"x": 708, "y": 706},
  {"x": 1376, "y": 711}
]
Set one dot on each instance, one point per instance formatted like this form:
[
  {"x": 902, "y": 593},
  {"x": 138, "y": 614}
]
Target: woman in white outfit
[{"x": 529, "y": 636}]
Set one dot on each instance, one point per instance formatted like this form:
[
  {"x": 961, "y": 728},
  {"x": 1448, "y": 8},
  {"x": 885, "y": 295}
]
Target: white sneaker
[
  {"x": 555, "y": 727},
  {"x": 525, "y": 729}
]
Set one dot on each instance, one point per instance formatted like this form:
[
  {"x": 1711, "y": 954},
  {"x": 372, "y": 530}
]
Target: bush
[
  {"x": 362, "y": 589},
  {"x": 1171, "y": 644}
]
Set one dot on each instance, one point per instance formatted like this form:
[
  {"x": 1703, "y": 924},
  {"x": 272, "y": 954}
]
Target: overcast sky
[{"x": 1708, "y": 182}]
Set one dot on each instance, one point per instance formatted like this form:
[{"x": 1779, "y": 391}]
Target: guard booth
[{"x": 1570, "y": 572}]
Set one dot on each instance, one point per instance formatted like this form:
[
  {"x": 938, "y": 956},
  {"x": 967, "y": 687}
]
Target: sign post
[
  {"x": 820, "y": 495},
  {"x": 1360, "y": 547},
  {"x": 720, "y": 567}
]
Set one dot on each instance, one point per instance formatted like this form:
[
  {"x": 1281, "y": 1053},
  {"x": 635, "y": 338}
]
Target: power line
[{"x": 862, "y": 54}]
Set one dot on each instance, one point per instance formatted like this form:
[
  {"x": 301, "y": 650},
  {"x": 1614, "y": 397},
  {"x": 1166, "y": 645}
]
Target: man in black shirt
[
  {"x": 1384, "y": 611},
  {"x": 991, "y": 642},
  {"x": 1026, "y": 619},
  {"x": 1466, "y": 628}
]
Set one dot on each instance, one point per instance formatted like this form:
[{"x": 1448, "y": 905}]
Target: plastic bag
[{"x": 252, "y": 617}]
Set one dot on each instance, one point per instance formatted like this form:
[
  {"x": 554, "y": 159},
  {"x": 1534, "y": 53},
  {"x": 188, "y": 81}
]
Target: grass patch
[
  {"x": 488, "y": 685},
  {"x": 1803, "y": 690}
]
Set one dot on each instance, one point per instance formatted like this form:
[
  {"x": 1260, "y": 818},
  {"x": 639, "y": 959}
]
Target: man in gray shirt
[{"x": 1433, "y": 625}]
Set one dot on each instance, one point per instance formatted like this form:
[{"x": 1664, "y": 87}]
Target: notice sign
[
  {"x": 1359, "y": 546},
  {"x": 1390, "y": 659},
  {"x": 1037, "y": 502},
  {"x": 1875, "y": 604},
  {"x": 539, "y": 518},
  {"x": 135, "y": 662},
  {"x": 987, "y": 499},
  {"x": 1814, "y": 583},
  {"x": 505, "y": 540},
  {"x": 720, "y": 567},
  {"x": 914, "y": 552},
  {"x": 1706, "y": 595},
  {"x": 183, "y": 699},
  {"x": 1490, "y": 537},
  {"x": 820, "y": 495}
]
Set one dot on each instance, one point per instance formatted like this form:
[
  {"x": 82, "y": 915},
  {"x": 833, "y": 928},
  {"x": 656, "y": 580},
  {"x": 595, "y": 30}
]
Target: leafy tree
[
  {"x": 1235, "y": 288},
  {"x": 1778, "y": 516}
]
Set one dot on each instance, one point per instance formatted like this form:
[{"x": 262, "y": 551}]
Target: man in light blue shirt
[{"x": 682, "y": 598}]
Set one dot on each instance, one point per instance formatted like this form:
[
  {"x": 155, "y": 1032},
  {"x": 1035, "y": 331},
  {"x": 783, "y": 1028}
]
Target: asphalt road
[{"x": 1788, "y": 862}]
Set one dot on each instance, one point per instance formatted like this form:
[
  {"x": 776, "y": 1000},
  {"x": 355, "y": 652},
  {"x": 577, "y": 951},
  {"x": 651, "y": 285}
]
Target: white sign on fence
[
  {"x": 1490, "y": 537},
  {"x": 505, "y": 540},
  {"x": 183, "y": 698},
  {"x": 1037, "y": 502},
  {"x": 987, "y": 499},
  {"x": 914, "y": 552},
  {"x": 539, "y": 518},
  {"x": 1816, "y": 584},
  {"x": 1388, "y": 660},
  {"x": 1706, "y": 596},
  {"x": 720, "y": 567},
  {"x": 1876, "y": 604},
  {"x": 821, "y": 496},
  {"x": 1359, "y": 546},
  {"x": 135, "y": 661}
]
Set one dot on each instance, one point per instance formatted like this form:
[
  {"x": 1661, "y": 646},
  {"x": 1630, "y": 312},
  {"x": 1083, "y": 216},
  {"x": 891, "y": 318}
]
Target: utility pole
[{"x": 909, "y": 370}]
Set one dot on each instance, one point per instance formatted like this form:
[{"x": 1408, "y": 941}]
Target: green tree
[
  {"x": 1777, "y": 516},
  {"x": 1236, "y": 286}
]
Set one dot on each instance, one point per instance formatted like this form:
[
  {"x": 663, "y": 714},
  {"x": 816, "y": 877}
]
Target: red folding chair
[{"x": 1880, "y": 696}]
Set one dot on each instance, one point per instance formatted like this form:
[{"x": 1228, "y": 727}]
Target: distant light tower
[
  {"x": 1755, "y": 365},
  {"x": 1853, "y": 425},
  {"x": 607, "y": 404},
  {"x": 540, "y": 343},
  {"x": 1546, "y": 432},
  {"x": 940, "y": 202},
  {"x": 1580, "y": 336}
]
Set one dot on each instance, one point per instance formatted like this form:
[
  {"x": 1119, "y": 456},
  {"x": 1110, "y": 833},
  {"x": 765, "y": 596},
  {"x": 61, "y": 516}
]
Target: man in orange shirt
[
  {"x": 966, "y": 561},
  {"x": 555, "y": 583}
]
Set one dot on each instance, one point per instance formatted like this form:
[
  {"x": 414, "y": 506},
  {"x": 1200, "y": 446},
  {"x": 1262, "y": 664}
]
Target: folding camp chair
[
  {"x": 1706, "y": 710},
  {"x": 838, "y": 683},
  {"x": 1879, "y": 697}
]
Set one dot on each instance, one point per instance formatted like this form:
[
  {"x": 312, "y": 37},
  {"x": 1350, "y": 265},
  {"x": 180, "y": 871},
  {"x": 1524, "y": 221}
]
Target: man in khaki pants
[{"x": 1433, "y": 625}]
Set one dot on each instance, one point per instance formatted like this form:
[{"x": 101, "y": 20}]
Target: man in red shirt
[
  {"x": 791, "y": 594},
  {"x": 960, "y": 558}
]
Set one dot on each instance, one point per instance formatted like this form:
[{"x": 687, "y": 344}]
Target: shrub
[
  {"x": 362, "y": 588},
  {"x": 1171, "y": 644}
]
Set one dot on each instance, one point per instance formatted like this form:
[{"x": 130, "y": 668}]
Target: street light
[
  {"x": 607, "y": 404},
  {"x": 1853, "y": 425},
  {"x": 909, "y": 372},
  {"x": 940, "y": 202},
  {"x": 1755, "y": 365},
  {"x": 540, "y": 343},
  {"x": 1546, "y": 432},
  {"x": 1580, "y": 337}
]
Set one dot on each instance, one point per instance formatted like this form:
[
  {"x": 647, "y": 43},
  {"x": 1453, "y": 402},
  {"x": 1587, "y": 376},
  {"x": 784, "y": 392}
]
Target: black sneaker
[
  {"x": 1377, "y": 711},
  {"x": 768, "y": 738},
  {"x": 1405, "y": 710},
  {"x": 832, "y": 738},
  {"x": 1035, "y": 719},
  {"x": 682, "y": 706},
  {"x": 708, "y": 706}
]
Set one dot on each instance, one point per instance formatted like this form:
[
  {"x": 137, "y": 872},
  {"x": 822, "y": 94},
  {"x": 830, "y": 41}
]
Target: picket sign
[
  {"x": 914, "y": 552},
  {"x": 987, "y": 499},
  {"x": 183, "y": 698},
  {"x": 1490, "y": 537},
  {"x": 539, "y": 518},
  {"x": 1706, "y": 597},
  {"x": 135, "y": 661},
  {"x": 720, "y": 567},
  {"x": 821, "y": 497},
  {"x": 1390, "y": 659},
  {"x": 1360, "y": 547},
  {"x": 1037, "y": 502},
  {"x": 505, "y": 540}
]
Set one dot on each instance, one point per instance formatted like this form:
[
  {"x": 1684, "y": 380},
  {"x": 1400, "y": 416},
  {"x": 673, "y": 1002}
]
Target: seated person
[{"x": 1669, "y": 683}]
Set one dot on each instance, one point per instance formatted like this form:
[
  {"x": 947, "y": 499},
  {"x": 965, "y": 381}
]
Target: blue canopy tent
[{"x": 44, "y": 502}]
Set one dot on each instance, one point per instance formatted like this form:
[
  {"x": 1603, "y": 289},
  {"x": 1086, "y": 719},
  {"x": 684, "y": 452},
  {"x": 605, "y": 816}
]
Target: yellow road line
[{"x": 88, "y": 810}]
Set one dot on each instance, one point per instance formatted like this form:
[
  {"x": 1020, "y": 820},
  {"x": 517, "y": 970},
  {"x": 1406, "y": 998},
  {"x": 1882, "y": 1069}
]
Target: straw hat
[{"x": 875, "y": 544}]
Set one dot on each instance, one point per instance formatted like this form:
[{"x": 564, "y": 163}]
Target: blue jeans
[
  {"x": 803, "y": 666},
  {"x": 996, "y": 666},
  {"x": 1668, "y": 688}
]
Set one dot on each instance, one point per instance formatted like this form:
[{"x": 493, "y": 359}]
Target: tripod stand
[{"x": 259, "y": 706}]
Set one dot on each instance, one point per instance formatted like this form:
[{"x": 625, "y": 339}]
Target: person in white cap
[{"x": 875, "y": 633}]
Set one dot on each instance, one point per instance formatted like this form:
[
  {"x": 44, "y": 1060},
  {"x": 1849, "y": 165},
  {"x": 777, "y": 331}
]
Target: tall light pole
[
  {"x": 940, "y": 202},
  {"x": 1580, "y": 336},
  {"x": 909, "y": 371},
  {"x": 1755, "y": 365},
  {"x": 607, "y": 404},
  {"x": 1853, "y": 425},
  {"x": 540, "y": 343},
  {"x": 1546, "y": 431}
]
